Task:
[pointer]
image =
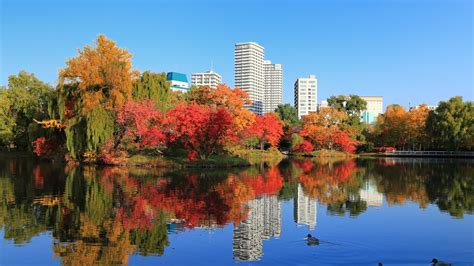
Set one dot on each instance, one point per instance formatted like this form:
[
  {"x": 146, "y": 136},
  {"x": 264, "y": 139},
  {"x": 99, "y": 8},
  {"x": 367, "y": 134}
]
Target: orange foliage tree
[
  {"x": 103, "y": 74},
  {"x": 224, "y": 97},
  {"x": 325, "y": 130},
  {"x": 267, "y": 129}
]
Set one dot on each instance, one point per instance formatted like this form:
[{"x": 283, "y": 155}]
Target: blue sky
[{"x": 406, "y": 51}]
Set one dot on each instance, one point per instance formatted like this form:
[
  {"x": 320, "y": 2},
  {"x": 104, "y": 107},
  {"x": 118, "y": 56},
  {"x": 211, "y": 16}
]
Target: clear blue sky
[{"x": 406, "y": 51}]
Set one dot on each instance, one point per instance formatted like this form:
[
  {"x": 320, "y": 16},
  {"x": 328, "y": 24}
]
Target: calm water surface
[{"x": 364, "y": 211}]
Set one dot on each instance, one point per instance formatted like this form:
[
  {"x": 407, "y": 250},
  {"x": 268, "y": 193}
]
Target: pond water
[{"x": 394, "y": 211}]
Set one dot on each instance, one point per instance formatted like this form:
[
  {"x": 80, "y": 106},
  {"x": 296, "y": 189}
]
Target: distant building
[
  {"x": 306, "y": 95},
  {"x": 430, "y": 107},
  {"x": 249, "y": 73},
  {"x": 323, "y": 104},
  {"x": 208, "y": 78},
  {"x": 373, "y": 110},
  {"x": 179, "y": 81},
  {"x": 273, "y": 86}
]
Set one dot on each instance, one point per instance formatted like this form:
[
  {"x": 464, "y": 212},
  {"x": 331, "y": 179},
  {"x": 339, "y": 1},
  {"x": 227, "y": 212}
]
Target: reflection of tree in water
[
  {"x": 103, "y": 215},
  {"x": 449, "y": 185},
  {"x": 335, "y": 184}
]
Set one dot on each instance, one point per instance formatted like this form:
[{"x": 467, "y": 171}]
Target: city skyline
[{"x": 423, "y": 58}]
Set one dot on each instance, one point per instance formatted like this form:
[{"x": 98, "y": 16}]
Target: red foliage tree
[
  {"x": 304, "y": 146},
  {"x": 201, "y": 130},
  {"x": 267, "y": 128},
  {"x": 141, "y": 122},
  {"x": 43, "y": 146},
  {"x": 331, "y": 137}
]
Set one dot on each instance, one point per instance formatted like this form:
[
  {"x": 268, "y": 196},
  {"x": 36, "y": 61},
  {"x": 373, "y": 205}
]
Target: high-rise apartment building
[
  {"x": 208, "y": 78},
  {"x": 373, "y": 110},
  {"x": 249, "y": 73},
  {"x": 306, "y": 95},
  {"x": 273, "y": 86}
]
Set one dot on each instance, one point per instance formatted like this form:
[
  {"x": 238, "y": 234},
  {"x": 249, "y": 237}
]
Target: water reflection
[{"x": 102, "y": 215}]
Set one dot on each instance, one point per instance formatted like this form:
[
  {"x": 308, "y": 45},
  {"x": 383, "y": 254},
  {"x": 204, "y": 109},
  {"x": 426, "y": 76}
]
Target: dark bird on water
[
  {"x": 311, "y": 240},
  {"x": 436, "y": 262}
]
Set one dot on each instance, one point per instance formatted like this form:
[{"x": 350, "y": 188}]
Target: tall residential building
[
  {"x": 374, "y": 108},
  {"x": 273, "y": 86},
  {"x": 304, "y": 209},
  {"x": 306, "y": 95},
  {"x": 179, "y": 81},
  {"x": 208, "y": 78},
  {"x": 249, "y": 73}
]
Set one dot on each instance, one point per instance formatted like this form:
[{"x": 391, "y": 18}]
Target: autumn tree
[
  {"x": 325, "y": 129},
  {"x": 200, "y": 129},
  {"x": 92, "y": 86},
  {"x": 416, "y": 127},
  {"x": 233, "y": 101},
  {"x": 267, "y": 129},
  {"x": 352, "y": 106},
  {"x": 393, "y": 126},
  {"x": 140, "y": 124}
]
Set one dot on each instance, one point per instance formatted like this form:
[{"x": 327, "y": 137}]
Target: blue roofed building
[{"x": 179, "y": 81}]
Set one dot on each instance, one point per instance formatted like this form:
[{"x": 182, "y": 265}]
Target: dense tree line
[
  {"x": 448, "y": 127},
  {"x": 102, "y": 110}
]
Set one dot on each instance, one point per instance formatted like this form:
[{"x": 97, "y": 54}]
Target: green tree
[
  {"x": 153, "y": 86},
  {"x": 25, "y": 99},
  {"x": 451, "y": 125},
  {"x": 287, "y": 114},
  {"x": 352, "y": 106}
]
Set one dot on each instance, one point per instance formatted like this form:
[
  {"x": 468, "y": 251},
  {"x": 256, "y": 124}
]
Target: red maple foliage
[
  {"x": 141, "y": 123},
  {"x": 200, "y": 129},
  {"x": 304, "y": 146},
  {"x": 43, "y": 146},
  {"x": 267, "y": 128}
]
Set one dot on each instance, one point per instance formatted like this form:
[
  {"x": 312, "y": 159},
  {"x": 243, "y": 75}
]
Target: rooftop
[{"x": 176, "y": 76}]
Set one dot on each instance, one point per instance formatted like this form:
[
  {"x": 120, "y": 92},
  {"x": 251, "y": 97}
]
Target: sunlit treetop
[{"x": 102, "y": 74}]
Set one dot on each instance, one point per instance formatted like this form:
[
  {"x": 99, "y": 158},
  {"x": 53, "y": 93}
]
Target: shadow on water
[{"x": 104, "y": 215}]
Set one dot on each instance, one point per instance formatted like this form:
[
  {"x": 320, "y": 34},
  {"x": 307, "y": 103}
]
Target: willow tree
[
  {"x": 152, "y": 86},
  {"x": 92, "y": 87}
]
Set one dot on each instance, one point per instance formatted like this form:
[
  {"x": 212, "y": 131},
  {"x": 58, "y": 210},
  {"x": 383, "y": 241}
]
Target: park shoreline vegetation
[{"x": 102, "y": 111}]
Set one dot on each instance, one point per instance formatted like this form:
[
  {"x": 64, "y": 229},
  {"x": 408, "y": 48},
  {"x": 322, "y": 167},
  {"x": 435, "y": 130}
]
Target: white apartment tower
[
  {"x": 273, "y": 86},
  {"x": 249, "y": 73},
  {"x": 208, "y": 78},
  {"x": 306, "y": 95}
]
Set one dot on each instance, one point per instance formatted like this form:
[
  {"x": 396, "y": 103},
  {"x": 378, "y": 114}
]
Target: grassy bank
[
  {"x": 325, "y": 154},
  {"x": 148, "y": 161},
  {"x": 254, "y": 157}
]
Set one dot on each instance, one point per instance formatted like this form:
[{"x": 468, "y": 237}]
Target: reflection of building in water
[
  {"x": 305, "y": 209},
  {"x": 369, "y": 194},
  {"x": 263, "y": 222}
]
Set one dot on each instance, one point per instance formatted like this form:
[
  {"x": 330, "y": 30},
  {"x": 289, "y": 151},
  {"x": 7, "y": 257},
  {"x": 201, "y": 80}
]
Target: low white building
[
  {"x": 179, "y": 81},
  {"x": 208, "y": 78}
]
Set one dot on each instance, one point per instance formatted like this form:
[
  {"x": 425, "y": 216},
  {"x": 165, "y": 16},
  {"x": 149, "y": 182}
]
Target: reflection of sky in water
[{"x": 386, "y": 229}]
